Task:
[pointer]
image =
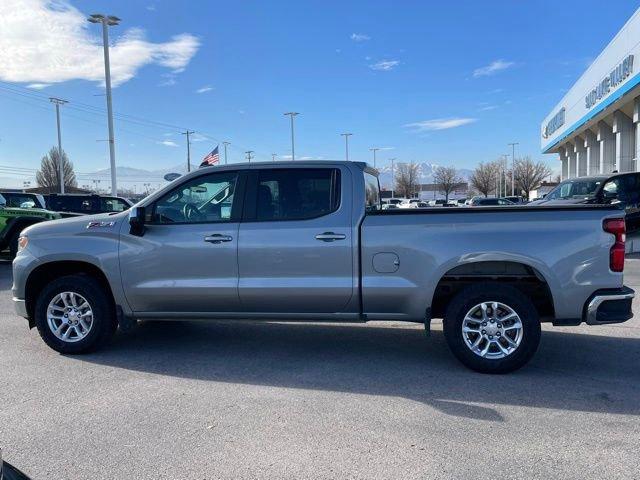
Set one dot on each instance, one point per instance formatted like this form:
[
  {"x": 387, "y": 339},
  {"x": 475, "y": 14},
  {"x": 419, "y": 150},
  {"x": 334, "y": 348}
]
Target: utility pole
[
  {"x": 273, "y": 157},
  {"x": 393, "y": 176},
  {"x": 187, "y": 133},
  {"x": 225, "y": 151},
  {"x": 374, "y": 150},
  {"x": 513, "y": 166},
  {"x": 249, "y": 155},
  {"x": 57, "y": 102},
  {"x": 293, "y": 147},
  {"x": 346, "y": 144},
  {"x": 108, "y": 21}
]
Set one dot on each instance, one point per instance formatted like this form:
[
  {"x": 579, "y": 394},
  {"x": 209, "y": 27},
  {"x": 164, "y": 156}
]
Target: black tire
[
  {"x": 104, "y": 322},
  {"x": 474, "y": 295},
  {"x": 13, "y": 245}
]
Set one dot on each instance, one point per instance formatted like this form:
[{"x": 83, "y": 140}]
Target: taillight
[{"x": 616, "y": 227}]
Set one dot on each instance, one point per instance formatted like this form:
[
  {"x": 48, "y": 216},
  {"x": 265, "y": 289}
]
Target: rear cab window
[
  {"x": 296, "y": 194},
  {"x": 372, "y": 192}
]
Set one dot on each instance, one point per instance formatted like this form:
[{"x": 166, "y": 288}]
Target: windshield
[{"x": 574, "y": 189}]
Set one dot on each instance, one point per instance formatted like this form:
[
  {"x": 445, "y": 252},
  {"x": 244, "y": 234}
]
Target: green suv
[{"x": 15, "y": 219}]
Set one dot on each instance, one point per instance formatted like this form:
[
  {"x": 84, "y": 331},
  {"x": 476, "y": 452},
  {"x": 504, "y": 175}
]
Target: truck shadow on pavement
[{"x": 570, "y": 371}]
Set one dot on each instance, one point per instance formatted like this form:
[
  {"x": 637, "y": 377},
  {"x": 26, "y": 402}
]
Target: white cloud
[
  {"x": 205, "y": 89},
  {"x": 44, "y": 41},
  {"x": 168, "y": 143},
  {"x": 360, "y": 37},
  {"x": 196, "y": 137},
  {"x": 493, "y": 68},
  {"x": 486, "y": 108},
  {"x": 385, "y": 65},
  {"x": 439, "y": 124},
  {"x": 38, "y": 86},
  {"x": 151, "y": 8}
]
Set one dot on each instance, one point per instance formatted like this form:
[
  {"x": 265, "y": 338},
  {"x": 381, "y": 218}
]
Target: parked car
[
  {"x": 307, "y": 242},
  {"x": 462, "y": 202},
  {"x": 438, "y": 203},
  {"x": 487, "y": 202},
  {"x": 515, "y": 199},
  {"x": 14, "y": 219},
  {"x": 86, "y": 204},
  {"x": 622, "y": 189}
]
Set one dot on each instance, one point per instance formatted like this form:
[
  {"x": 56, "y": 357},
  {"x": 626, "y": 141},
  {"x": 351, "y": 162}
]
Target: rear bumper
[{"x": 609, "y": 306}]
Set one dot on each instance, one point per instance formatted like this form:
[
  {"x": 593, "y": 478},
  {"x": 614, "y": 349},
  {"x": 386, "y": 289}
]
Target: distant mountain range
[{"x": 139, "y": 175}]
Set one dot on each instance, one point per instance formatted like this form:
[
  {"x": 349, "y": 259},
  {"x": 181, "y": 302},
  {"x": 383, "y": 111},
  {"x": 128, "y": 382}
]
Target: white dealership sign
[{"x": 607, "y": 79}]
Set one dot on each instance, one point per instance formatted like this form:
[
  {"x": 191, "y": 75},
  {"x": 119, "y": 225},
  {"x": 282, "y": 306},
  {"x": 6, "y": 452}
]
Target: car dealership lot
[{"x": 252, "y": 400}]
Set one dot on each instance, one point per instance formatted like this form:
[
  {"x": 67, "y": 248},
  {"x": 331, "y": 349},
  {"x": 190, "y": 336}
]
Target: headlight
[{"x": 23, "y": 241}]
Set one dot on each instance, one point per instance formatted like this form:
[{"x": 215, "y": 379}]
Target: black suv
[
  {"x": 618, "y": 188},
  {"x": 23, "y": 199},
  {"x": 86, "y": 204}
]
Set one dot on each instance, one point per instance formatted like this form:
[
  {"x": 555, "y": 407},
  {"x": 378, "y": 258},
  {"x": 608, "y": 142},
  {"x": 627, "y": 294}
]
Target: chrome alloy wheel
[
  {"x": 69, "y": 316},
  {"x": 492, "y": 330}
]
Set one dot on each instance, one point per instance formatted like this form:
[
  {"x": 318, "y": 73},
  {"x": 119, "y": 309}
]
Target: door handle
[
  {"x": 217, "y": 238},
  {"x": 330, "y": 236}
]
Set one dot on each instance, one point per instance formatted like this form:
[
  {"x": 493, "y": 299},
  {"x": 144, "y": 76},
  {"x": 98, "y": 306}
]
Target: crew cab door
[
  {"x": 295, "y": 247},
  {"x": 186, "y": 260}
]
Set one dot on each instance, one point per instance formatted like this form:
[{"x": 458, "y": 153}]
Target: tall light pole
[
  {"x": 108, "y": 21},
  {"x": 513, "y": 166},
  {"x": 273, "y": 157},
  {"x": 57, "y": 102},
  {"x": 293, "y": 147},
  {"x": 225, "y": 151},
  {"x": 346, "y": 144},
  {"x": 393, "y": 176},
  {"x": 187, "y": 133},
  {"x": 249, "y": 155},
  {"x": 374, "y": 150}
]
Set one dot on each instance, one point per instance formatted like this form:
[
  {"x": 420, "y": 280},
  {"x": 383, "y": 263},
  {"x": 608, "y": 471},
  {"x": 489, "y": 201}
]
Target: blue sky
[{"x": 443, "y": 82}]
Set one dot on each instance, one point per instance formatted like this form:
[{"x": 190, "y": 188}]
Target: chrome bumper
[
  {"x": 622, "y": 296},
  {"x": 21, "y": 307}
]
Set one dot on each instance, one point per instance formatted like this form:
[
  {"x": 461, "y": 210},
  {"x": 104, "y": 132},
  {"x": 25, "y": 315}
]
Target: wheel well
[
  {"x": 523, "y": 277},
  {"x": 15, "y": 226},
  {"x": 48, "y": 272}
]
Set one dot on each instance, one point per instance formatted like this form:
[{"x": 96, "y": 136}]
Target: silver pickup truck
[{"x": 308, "y": 241}]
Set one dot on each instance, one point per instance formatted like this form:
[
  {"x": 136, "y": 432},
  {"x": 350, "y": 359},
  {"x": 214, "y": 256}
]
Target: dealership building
[{"x": 596, "y": 126}]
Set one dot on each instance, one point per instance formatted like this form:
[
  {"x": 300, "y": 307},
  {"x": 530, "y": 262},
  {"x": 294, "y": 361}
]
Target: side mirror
[{"x": 137, "y": 221}]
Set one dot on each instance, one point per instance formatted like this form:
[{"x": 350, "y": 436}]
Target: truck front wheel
[
  {"x": 75, "y": 315},
  {"x": 492, "y": 328}
]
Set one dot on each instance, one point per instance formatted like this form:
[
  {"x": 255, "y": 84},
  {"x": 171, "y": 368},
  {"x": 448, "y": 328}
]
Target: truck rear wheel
[
  {"x": 75, "y": 315},
  {"x": 492, "y": 328}
]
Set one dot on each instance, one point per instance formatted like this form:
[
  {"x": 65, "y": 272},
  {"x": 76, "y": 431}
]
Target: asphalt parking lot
[{"x": 250, "y": 400}]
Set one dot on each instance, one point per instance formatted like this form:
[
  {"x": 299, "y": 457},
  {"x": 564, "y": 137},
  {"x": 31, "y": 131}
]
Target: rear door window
[{"x": 297, "y": 193}]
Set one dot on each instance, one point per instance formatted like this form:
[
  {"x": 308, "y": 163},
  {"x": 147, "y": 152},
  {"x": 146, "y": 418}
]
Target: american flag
[{"x": 211, "y": 158}]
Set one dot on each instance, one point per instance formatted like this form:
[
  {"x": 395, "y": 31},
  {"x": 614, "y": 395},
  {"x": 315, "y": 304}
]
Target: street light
[
  {"x": 226, "y": 144},
  {"x": 346, "y": 144},
  {"x": 108, "y": 21},
  {"x": 293, "y": 149},
  {"x": 57, "y": 102},
  {"x": 374, "y": 150},
  {"x": 393, "y": 176},
  {"x": 249, "y": 155},
  {"x": 513, "y": 166}
]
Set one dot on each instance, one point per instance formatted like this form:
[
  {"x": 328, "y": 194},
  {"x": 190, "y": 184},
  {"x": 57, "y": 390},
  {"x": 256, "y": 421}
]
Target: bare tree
[
  {"x": 529, "y": 175},
  {"x": 407, "y": 179},
  {"x": 447, "y": 179},
  {"x": 48, "y": 175},
  {"x": 484, "y": 178}
]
